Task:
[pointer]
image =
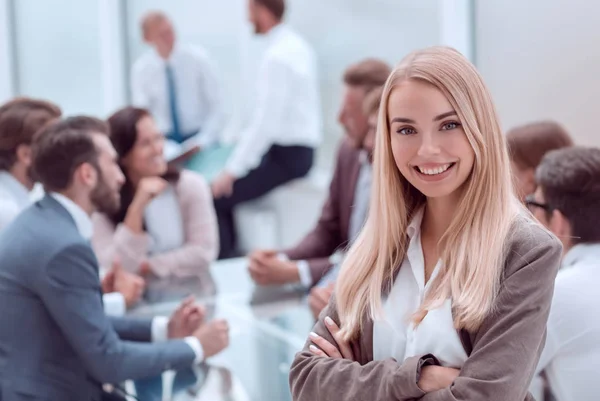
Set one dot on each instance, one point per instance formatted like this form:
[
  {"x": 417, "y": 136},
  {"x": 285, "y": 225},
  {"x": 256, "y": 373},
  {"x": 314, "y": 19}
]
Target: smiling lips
[{"x": 432, "y": 170}]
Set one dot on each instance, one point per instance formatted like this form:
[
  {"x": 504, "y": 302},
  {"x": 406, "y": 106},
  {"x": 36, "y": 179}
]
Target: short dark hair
[
  {"x": 570, "y": 181},
  {"x": 61, "y": 147},
  {"x": 529, "y": 143},
  {"x": 20, "y": 119},
  {"x": 369, "y": 73},
  {"x": 275, "y": 7}
]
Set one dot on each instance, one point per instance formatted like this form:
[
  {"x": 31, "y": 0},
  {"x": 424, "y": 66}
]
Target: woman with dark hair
[
  {"x": 527, "y": 145},
  {"x": 167, "y": 221}
]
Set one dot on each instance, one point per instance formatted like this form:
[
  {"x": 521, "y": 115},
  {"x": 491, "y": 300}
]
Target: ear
[
  {"x": 87, "y": 175},
  {"x": 560, "y": 225},
  {"x": 24, "y": 154}
]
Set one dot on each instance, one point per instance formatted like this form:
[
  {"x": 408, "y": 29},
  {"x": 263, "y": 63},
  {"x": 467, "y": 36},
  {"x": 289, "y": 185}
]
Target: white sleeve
[
  {"x": 304, "y": 273},
  {"x": 211, "y": 129},
  {"x": 114, "y": 304},
  {"x": 267, "y": 120},
  {"x": 160, "y": 332}
]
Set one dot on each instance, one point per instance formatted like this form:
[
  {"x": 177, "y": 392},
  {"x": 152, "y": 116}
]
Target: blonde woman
[{"x": 445, "y": 294}]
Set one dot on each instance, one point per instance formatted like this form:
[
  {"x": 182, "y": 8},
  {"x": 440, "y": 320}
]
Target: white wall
[
  {"x": 57, "y": 46},
  {"x": 541, "y": 59}
]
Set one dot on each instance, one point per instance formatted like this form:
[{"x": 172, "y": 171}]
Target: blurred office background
[{"x": 79, "y": 53}]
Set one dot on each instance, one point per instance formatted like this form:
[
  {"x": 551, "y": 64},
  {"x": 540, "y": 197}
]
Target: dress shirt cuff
[
  {"x": 194, "y": 343},
  {"x": 303, "y": 270},
  {"x": 114, "y": 304},
  {"x": 304, "y": 273},
  {"x": 160, "y": 329}
]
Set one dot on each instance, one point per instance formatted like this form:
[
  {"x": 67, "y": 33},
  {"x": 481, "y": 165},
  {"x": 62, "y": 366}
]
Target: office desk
[{"x": 268, "y": 326}]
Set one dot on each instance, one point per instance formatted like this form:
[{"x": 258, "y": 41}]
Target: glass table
[{"x": 268, "y": 325}]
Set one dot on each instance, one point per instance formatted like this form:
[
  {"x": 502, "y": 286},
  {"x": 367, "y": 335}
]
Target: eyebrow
[{"x": 437, "y": 118}]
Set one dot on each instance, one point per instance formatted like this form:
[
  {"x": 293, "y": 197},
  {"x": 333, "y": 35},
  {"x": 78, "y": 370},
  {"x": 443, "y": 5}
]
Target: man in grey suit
[{"x": 56, "y": 343}]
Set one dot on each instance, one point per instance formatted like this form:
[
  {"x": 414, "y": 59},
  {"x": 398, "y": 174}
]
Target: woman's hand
[
  {"x": 149, "y": 188},
  {"x": 434, "y": 378},
  {"x": 325, "y": 348}
]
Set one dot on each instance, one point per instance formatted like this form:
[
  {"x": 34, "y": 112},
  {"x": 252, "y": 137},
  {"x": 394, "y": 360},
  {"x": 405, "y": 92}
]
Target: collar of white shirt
[
  {"x": 14, "y": 187},
  {"x": 174, "y": 53},
  {"x": 82, "y": 219},
  {"x": 580, "y": 253},
  {"x": 415, "y": 224}
]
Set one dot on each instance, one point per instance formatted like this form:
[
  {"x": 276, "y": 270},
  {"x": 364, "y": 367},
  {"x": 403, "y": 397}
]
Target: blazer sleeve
[
  {"x": 314, "y": 378},
  {"x": 132, "y": 329},
  {"x": 70, "y": 290},
  {"x": 508, "y": 345},
  {"x": 320, "y": 243},
  {"x": 201, "y": 234}
]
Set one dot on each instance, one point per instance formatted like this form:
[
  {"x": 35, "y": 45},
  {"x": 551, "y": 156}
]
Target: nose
[
  {"x": 159, "y": 145},
  {"x": 429, "y": 145},
  {"x": 120, "y": 177}
]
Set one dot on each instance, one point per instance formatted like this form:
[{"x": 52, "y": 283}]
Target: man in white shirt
[
  {"x": 278, "y": 145},
  {"x": 20, "y": 119},
  {"x": 567, "y": 202},
  {"x": 177, "y": 84}
]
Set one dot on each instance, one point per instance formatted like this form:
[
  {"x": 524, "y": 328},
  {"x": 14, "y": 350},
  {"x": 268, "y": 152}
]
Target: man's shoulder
[
  {"x": 43, "y": 226},
  {"x": 347, "y": 154}
]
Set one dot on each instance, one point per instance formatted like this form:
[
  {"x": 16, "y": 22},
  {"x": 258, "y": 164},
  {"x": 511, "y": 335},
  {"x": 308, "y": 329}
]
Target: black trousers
[{"x": 278, "y": 166}]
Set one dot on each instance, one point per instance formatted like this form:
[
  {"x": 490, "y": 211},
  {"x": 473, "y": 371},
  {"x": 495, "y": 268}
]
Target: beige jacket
[
  {"x": 503, "y": 353},
  {"x": 201, "y": 237}
]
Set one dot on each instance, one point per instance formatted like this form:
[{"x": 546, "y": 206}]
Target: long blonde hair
[{"x": 473, "y": 247}]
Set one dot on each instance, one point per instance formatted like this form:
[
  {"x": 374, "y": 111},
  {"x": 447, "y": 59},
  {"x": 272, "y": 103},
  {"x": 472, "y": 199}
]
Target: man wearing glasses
[{"x": 567, "y": 202}]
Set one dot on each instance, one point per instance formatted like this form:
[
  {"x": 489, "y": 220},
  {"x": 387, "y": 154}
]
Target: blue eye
[
  {"x": 450, "y": 126},
  {"x": 406, "y": 131}
]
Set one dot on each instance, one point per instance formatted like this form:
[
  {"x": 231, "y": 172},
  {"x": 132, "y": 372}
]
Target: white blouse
[
  {"x": 164, "y": 222},
  {"x": 396, "y": 336}
]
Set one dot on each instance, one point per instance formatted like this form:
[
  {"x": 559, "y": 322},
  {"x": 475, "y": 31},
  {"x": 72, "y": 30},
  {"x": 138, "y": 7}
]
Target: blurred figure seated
[
  {"x": 166, "y": 222},
  {"x": 278, "y": 144},
  {"x": 567, "y": 202},
  {"x": 346, "y": 208},
  {"x": 527, "y": 145}
]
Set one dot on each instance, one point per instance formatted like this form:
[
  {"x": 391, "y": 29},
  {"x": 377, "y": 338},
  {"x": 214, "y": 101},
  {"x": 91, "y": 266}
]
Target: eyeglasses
[{"x": 531, "y": 203}]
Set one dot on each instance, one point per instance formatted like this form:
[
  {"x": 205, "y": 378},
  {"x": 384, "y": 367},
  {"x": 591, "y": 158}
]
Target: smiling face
[
  {"x": 146, "y": 157},
  {"x": 429, "y": 145}
]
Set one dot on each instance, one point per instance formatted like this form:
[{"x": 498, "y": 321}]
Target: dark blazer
[
  {"x": 331, "y": 232},
  {"x": 503, "y": 352},
  {"x": 56, "y": 343}
]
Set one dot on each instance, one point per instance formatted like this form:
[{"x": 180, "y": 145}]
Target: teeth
[{"x": 434, "y": 171}]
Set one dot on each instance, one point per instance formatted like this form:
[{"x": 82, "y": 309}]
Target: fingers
[
  {"x": 325, "y": 346},
  {"x": 316, "y": 351},
  {"x": 334, "y": 330}
]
